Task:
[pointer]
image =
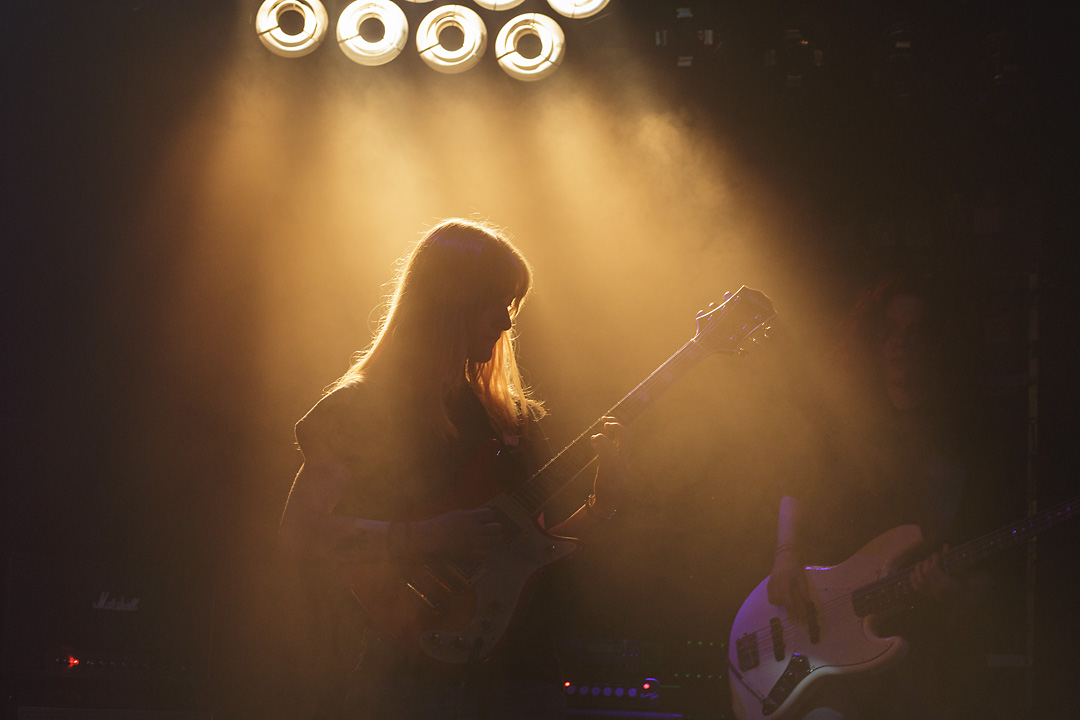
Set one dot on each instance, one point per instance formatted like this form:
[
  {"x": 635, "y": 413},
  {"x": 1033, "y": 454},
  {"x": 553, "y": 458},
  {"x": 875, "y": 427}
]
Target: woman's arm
[
  {"x": 310, "y": 527},
  {"x": 787, "y": 581}
]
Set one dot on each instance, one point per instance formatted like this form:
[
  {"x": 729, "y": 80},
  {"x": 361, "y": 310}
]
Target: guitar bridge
[{"x": 746, "y": 648}]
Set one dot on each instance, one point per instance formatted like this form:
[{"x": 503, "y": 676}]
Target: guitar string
[
  {"x": 759, "y": 316},
  {"x": 553, "y": 476},
  {"x": 629, "y": 407},
  {"x": 971, "y": 552},
  {"x": 966, "y": 554}
]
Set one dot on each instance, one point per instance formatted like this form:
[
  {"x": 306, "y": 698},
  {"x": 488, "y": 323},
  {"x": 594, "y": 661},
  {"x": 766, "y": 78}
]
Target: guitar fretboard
[
  {"x": 897, "y": 590},
  {"x": 534, "y": 494}
]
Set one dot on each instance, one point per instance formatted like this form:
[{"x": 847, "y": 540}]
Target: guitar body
[
  {"x": 774, "y": 661},
  {"x": 457, "y": 613},
  {"x": 450, "y": 611}
]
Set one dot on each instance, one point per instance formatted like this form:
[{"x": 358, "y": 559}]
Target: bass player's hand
[
  {"x": 929, "y": 578},
  {"x": 788, "y": 585}
]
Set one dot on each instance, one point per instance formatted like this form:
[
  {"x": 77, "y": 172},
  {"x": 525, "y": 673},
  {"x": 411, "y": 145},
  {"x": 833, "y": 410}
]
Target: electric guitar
[
  {"x": 775, "y": 660},
  {"x": 456, "y": 613}
]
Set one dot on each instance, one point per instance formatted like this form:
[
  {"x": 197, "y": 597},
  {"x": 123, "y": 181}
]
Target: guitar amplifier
[{"x": 95, "y": 632}]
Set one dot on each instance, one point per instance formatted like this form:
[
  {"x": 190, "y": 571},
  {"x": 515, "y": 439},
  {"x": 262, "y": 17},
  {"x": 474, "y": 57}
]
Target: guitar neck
[
  {"x": 535, "y": 493},
  {"x": 897, "y": 589},
  {"x": 721, "y": 329}
]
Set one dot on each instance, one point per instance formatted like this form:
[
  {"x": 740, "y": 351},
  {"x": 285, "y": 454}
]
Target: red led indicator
[
  {"x": 72, "y": 661},
  {"x": 645, "y": 686},
  {"x": 566, "y": 684}
]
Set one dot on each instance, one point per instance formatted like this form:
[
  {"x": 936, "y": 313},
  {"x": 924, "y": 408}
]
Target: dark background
[{"x": 956, "y": 153}]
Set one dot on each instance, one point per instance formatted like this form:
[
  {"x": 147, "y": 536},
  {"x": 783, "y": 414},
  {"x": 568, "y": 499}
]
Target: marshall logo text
[{"x": 121, "y": 605}]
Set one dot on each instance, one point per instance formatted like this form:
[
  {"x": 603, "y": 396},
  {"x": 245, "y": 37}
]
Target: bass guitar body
[{"x": 775, "y": 660}]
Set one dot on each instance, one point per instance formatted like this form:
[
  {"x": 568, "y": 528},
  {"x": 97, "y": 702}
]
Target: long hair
[
  {"x": 458, "y": 268},
  {"x": 864, "y": 330}
]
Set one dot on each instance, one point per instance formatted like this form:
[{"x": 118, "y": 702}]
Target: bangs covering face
[
  {"x": 468, "y": 265},
  {"x": 460, "y": 267}
]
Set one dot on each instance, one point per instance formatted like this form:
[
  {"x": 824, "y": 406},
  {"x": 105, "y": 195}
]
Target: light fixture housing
[
  {"x": 498, "y": 4},
  {"x": 552, "y": 47},
  {"x": 441, "y": 58},
  {"x": 268, "y": 27},
  {"x": 577, "y": 8},
  {"x": 379, "y": 52}
]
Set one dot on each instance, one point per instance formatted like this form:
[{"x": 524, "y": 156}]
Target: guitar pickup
[
  {"x": 746, "y": 649},
  {"x": 777, "y": 630},
  {"x": 450, "y": 576},
  {"x": 812, "y": 626}
]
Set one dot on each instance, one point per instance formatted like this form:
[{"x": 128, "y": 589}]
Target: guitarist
[
  {"x": 400, "y": 430},
  {"x": 891, "y": 458}
]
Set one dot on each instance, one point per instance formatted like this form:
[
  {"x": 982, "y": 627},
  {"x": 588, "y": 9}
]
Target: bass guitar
[
  {"x": 457, "y": 613},
  {"x": 775, "y": 660}
]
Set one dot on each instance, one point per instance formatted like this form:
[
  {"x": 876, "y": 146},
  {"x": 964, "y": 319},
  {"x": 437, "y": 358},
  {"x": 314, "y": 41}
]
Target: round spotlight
[
  {"x": 456, "y": 19},
  {"x": 577, "y": 8},
  {"x": 540, "y": 65},
  {"x": 384, "y": 13},
  {"x": 498, "y": 4},
  {"x": 284, "y": 42}
]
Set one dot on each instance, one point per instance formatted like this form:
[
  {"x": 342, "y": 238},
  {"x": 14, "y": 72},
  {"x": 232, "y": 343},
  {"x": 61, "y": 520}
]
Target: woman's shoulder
[{"x": 349, "y": 410}]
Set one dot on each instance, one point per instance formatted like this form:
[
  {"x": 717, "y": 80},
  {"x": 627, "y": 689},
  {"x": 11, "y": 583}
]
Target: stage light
[
  {"x": 287, "y": 44},
  {"x": 499, "y": 4},
  {"x": 577, "y": 8},
  {"x": 372, "y": 52},
  {"x": 451, "y": 60},
  {"x": 552, "y": 44}
]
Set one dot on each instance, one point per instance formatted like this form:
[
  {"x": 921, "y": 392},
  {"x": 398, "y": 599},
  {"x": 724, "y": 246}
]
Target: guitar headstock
[{"x": 727, "y": 326}]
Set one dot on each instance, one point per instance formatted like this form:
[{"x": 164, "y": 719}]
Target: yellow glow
[
  {"x": 499, "y": 4},
  {"x": 383, "y": 50},
  {"x": 577, "y": 8},
  {"x": 451, "y": 61},
  {"x": 281, "y": 43},
  {"x": 552, "y": 45},
  {"x": 283, "y": 204}
]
